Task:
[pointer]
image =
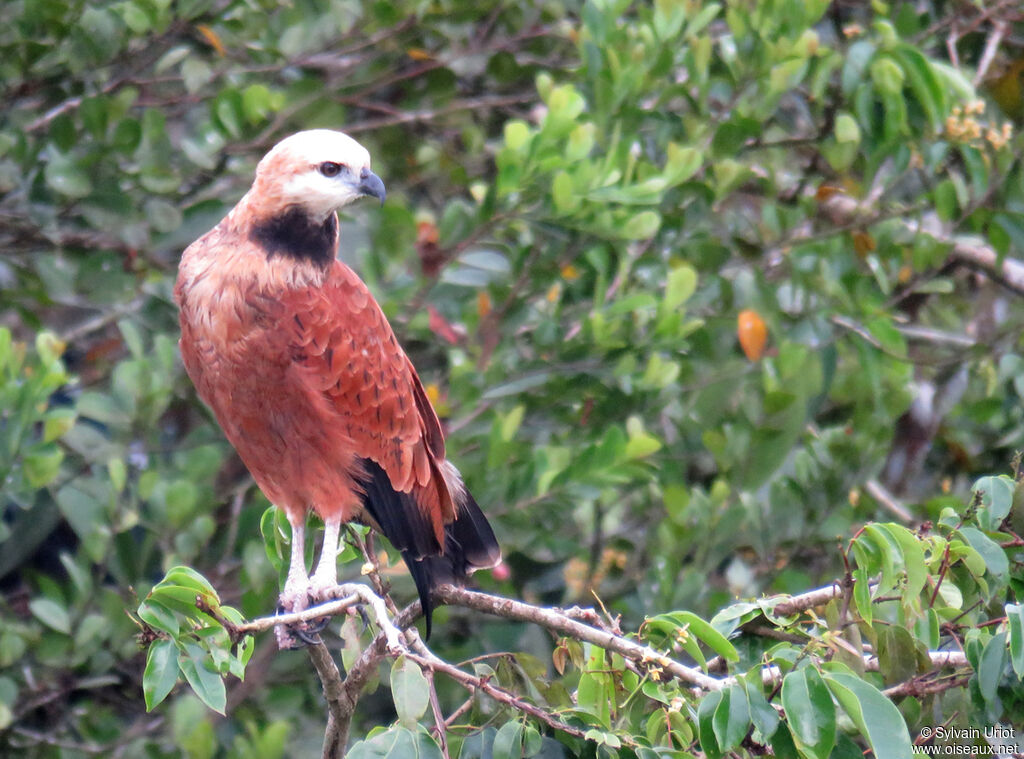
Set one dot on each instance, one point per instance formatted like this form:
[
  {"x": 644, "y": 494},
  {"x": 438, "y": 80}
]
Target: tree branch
[
  {"x": 342, "y": 694},
  {"x": 844, "y": 210},
  {"x": 559, "y": 622},
  {"x": 809, "y": 600},
  {"x": 474, "y": 683},
  {"x": 329, "y": 609},
  {"x": 335, "y": 737}
]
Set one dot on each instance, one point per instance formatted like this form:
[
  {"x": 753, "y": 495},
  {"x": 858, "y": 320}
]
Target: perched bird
[{"x": 302, "y": 370}]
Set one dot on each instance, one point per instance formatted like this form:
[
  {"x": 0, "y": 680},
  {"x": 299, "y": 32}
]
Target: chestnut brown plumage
[{"x": 303, "y": 372}]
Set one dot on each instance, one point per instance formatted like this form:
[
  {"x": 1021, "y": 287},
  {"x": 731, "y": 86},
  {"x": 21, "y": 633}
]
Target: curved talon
[
  {"x": 361, "y": 608},
  {"x": 309, "y": 638},
  {"x": 307, "y": 633}
]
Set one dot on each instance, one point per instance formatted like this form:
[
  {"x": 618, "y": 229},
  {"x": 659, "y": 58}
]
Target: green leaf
[
  {"x": 257, "y": 103},
  {"x": 996, "y": 500},
  {"x": 562, "y": 194},
  {"x": 508, "y": 743},
  {"x": 703, "y": 630},
  {"x": 195, "y": 73},
  {"x": 161, "y": 672},
  {"x": 995, "y": 557},
  {"x": 65, "y": 177},
  {"x": 731, "y": 719},
  {"x": 990, "y": 667},
  {"x": 409, "y": 691},
  {"x": 1015, "y": 623},
  {"x": 51, "y": 614},
  {"x": 913, "y": 560},
  {"x": 187, "y": 577},
  {"x": 924, "y": 83},
  {"x": 127, "y": 135},
  {"x": 641, "y": 445},
  {"x": 945, "y": 198},
  {"x": 883, "y": 329},
  {"x": 57, "y": 423},
  {"x": 158, "y": 616},
  {"x": 641, "y": 226},
  {"x": 581, "y": 142},
  {"x": 208, "y": 685},
  {"x": 764, "y": 717},
  {"x": 810, "y": 711},
  {"x": 705, "y": 724},
  {"x": 875, "y": 716},
  {"x": 862, "y": 592},
  {"x": 847, "y": 129},
  {"x": 516, "y": 134},
  {"x": 681, "y": 284},
  {"x": 42, "y": 466},
  {"x": 887, "y": 75},
  {"x": 682, "y": 163},
  {"x": 897, "y": 653},
  {"x": 731, "y": 136},
  {"x": 396, "y": 743}
]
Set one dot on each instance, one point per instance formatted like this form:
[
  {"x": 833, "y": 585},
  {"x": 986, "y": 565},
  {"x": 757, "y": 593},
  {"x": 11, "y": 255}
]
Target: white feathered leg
[
  {"x": 295, "y": 595},
  {"x": 325, "y": 578}
]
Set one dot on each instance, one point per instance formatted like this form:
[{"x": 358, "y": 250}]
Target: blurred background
[{"x": 696, "y": 288}]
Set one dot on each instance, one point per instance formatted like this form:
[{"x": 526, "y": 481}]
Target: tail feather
[{"x": 469, "y": 542}]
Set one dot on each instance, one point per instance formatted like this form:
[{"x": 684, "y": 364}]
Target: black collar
[{"x": 295, "y": 235}]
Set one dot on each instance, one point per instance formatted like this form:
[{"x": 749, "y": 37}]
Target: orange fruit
[{"x": 752, "y": 332}]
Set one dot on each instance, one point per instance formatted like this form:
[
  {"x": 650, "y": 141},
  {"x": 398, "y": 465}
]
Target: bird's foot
[
  {"x": 297, "y": 634},
  {"x": 322, "y": 588}
]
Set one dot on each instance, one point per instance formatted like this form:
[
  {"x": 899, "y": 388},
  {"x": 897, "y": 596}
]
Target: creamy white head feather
[{"x": 292, "y": 171}]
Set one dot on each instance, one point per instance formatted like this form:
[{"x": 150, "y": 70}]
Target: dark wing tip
[{"x": 469, "y": 542}]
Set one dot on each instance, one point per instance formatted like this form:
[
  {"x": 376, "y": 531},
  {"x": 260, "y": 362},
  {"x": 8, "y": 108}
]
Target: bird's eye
[{"x": 330, "y": 168}]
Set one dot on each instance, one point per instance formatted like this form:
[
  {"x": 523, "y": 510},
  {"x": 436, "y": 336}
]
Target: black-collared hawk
[{"x": 297, "y": 361}]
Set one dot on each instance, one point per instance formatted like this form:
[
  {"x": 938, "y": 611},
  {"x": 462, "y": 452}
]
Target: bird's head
[{"x": 318, "y": 171}]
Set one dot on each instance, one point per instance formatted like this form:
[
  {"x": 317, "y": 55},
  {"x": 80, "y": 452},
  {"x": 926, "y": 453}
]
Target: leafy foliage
[{"x": 701, "y": 290}]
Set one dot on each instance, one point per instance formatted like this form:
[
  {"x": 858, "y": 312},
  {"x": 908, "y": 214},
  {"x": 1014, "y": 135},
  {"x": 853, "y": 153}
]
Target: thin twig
[
  {"x": 475, "y": 683},
  {"x": 439, "y": 721},
  {"x": 878, "y": 491},
  {"x": 465, "y": 707},
  {"x": 772, "y": 675},
  {"x": 991, "y": 48}
]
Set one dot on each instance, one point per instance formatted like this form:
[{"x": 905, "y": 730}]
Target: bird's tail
[
  {"x": 469, "y": 542},
  {"x": 469, "y": 545}
]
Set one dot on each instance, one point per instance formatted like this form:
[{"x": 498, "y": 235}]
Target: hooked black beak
[{"x": 370, "y": 184}]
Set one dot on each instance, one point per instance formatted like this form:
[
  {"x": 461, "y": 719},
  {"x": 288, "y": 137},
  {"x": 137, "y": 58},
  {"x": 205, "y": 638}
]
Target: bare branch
[
  {"x": 772, "y": 675},
  {"x": 809, "y": 600},
  {"x": 562, "y": 624},
  {"x": 348, "y": 595},
  {"x": 329, "y": 609},
  {"x": 336, "y": 734},
  {"x": 878, "y": 491},
  {"x": 342, "y": 694},
  {"x": 843, "y": 210},
  {"x": 991, "y": 47}
]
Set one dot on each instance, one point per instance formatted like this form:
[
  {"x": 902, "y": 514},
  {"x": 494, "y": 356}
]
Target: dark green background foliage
[{"x": 582, "y": 197}]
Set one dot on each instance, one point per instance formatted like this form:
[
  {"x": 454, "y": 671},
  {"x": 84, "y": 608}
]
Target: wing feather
[{"x": 344, "y": 349}]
